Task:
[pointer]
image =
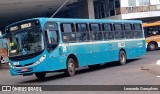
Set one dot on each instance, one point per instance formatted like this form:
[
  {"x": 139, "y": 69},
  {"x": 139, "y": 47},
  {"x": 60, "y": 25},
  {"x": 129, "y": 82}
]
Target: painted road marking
[
  {"x": 158, "y": 62},
  {"x": 158, "y": 76}
]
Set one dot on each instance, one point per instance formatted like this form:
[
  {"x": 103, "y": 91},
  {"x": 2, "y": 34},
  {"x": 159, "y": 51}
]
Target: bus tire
[
  {"x": 152, "y": 46},
  {"x": 122, "y": 57},
  {"x": 41, "y": 75},
  {"x": 70, "y": 71}
]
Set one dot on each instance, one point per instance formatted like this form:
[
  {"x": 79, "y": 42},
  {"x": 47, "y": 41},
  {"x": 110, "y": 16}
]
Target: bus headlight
[
  {"x": 40, "y": 60},
  {"x": 11, "y": 65}
]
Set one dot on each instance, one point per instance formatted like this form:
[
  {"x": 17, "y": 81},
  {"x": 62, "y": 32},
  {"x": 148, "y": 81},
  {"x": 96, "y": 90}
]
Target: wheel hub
[
  {"x": 71, "y": 67},
  {"x": 122, "y": 58},
  {"x": 152, "y": 46}
]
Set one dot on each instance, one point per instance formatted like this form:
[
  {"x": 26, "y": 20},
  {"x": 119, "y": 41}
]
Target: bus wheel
[
  {"x": 70, "y": 71},
  {"x": 152, "y": 46},
  {"x": 40, "y": 75},
  {"x": 122, "y": 57}
]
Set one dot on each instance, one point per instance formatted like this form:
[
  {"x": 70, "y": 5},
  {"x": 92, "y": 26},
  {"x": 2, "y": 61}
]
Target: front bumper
[{"x": 29, "y": 69}]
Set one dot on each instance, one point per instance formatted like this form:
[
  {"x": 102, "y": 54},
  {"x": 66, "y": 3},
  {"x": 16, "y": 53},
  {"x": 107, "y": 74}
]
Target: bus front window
[{"x": 25, "y": 42}]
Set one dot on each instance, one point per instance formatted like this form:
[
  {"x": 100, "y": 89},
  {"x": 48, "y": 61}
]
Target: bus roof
[
  {"x": 91, "y": 20},
  {"x": 79, "y": 20},
  {"x": 151, "y": 24}
]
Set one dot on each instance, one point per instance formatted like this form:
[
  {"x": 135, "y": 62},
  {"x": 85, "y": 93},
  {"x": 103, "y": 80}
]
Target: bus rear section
[{"x": 152, "y": 35}]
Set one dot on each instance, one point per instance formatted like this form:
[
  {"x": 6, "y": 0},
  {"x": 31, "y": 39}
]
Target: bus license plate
[
  {"x": 24, "y": 70},
  {"x": 16, "y": 63}
]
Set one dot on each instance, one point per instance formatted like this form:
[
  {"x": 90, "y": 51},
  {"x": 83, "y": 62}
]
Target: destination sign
[
  {"x": 27, "y": 25},
  {"x": 24, "y": 25},
  {"x": 14, "y": 28}
]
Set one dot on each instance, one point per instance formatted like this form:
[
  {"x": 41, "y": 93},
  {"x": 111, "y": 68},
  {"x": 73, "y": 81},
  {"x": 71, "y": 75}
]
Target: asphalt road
[{"x": 108, "y": 74}]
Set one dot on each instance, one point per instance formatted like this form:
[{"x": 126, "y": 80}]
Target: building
[{"x": 146, "y": 10}]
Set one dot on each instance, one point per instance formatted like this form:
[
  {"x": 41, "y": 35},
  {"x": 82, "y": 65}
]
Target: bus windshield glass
[{"x": 25, "y": 41}]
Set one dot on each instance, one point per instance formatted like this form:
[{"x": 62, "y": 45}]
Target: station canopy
[{"x": 15, "y": 10}]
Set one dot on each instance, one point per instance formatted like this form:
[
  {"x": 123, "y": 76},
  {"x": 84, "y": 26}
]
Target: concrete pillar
[
  {"x": 91, "y": 14},
  {"x": 86, "y": 9}
]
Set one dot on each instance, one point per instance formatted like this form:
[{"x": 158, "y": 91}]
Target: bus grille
[
  {"x": 24, "y": 65},
  {"x": 25, "y": 57}
]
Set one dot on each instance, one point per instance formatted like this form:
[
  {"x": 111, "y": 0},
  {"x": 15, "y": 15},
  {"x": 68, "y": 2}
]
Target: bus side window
[
  {"x": 118, "y": 31},
  {"x": 148, "y": 32},
  {"x": 138, "y": 30},
  {"x": 127, "y": 27},
  {"x": 96, "y": 33},
  {"x": 94, "y": 27},
  {"x": 51, "y": 33},
  {"x": 108, "y": 31},
  {"x": 82, "y": 32},
  {"x": 68, "y": 32},
  {"x": 137, "y": 27},
  {"x": 118, "y": 27},
  {"x": 128, "y": 31},
  {"x": 106, "y": 27},
  {"x": 154, "y": 30},
  {"x": 158, "y": 33},
  {"x": 54, "y": 37}
]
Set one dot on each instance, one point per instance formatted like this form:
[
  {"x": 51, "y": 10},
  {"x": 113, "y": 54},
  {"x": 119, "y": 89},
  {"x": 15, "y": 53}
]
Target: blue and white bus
[{"x": 41, "y": 45}]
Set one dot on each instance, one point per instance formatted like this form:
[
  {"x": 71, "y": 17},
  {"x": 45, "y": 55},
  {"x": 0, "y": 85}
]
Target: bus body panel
[
  {"x": 49, "y": 64},
  {"x": 81, "y": 51},
  {"x": 155, "y": 38},
  {"x": 16, "y": 69},
  {"x": 99, "y": 53},
  {"x": 54, "y": 59}
]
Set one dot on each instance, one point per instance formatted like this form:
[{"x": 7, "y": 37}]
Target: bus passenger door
[
  {"x": 53, "y": 50},
  {"x": 52, "y": 42}
]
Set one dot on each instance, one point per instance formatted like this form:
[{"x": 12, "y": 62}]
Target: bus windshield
[{"x": 27, "y": 41}]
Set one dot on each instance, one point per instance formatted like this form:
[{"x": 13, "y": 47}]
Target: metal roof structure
[{"x": 15, "y": 10}]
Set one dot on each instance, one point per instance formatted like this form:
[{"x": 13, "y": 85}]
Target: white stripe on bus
[{"x": 97, "y": 42}]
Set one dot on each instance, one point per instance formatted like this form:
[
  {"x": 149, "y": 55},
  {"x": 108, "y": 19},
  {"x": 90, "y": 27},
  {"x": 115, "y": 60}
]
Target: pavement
[
  {"x": 153, "y": 68},
  {"x": 4, "y": 69}
]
